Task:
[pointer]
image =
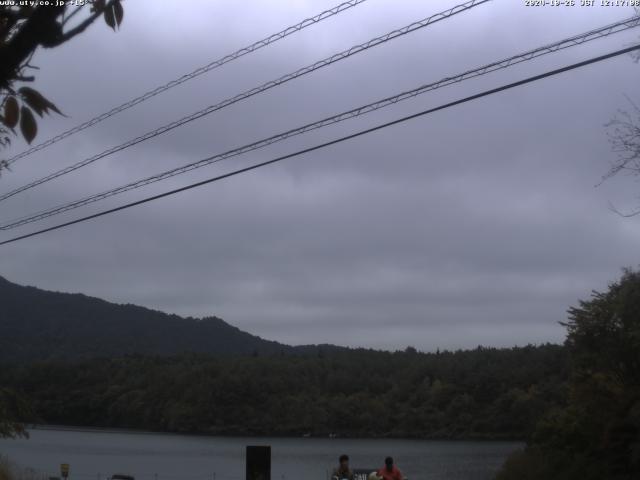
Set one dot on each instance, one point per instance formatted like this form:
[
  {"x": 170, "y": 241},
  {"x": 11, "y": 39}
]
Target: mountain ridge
[{"x": 37, "y": 324}]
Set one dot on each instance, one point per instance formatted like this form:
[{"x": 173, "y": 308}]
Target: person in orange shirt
[{"x": 390, "y": 471}]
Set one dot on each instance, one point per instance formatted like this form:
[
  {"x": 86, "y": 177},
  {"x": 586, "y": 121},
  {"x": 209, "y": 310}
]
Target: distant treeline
[{"x": 481, "y": 393}]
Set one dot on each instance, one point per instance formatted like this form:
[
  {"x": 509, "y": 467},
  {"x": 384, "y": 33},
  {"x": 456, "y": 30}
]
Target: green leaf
[
  {"x": 109, "y": 18},
  {"x": 28, "y": 125},
  {"x": 11, "y": 112},
  {"x": 118, "y": 12},
  {"x": 37, "y": 101}
]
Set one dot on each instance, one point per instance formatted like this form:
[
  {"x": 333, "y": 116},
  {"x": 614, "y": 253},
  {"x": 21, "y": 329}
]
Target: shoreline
[{"x": 131, "y": 431}]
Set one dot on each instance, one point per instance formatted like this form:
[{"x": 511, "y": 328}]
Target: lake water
[{"x": 96, "y": 455}]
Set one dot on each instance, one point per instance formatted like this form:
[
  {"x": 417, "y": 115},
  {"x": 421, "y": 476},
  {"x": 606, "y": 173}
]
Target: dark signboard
[{"x": 258, "y": 463}]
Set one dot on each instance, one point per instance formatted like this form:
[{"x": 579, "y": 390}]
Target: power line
[
  {"x": 332, "y": 142},
  {"x": 256, "y": 90},
  {"x": 195, "y": 73},
  {"x": 601, "y": 32}
]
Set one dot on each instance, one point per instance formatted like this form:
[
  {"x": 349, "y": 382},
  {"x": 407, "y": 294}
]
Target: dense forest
[{"x": 487, "y": 393}]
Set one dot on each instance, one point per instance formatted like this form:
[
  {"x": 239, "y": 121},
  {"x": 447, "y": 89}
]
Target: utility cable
[
  {"x": 195, "y": 73},
  {"x": 254, "y": 91},
  {"x": 360, "y": 133},
  {"x": 356, "y": 112}
]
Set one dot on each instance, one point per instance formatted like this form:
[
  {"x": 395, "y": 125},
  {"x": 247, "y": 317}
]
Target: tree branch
[
  {"x": 81, "y": 27},
  {"x": 40, "y": 27},
  {"x": 632, "y": 213},
  {"x": 71, "y": 15}
]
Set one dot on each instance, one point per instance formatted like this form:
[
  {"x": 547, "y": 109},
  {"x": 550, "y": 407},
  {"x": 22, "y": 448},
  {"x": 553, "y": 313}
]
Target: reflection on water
[{"x": 97, "y": 455}]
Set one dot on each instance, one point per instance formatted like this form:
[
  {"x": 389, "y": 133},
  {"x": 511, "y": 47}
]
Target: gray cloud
[{"x": 479, "y": 224}]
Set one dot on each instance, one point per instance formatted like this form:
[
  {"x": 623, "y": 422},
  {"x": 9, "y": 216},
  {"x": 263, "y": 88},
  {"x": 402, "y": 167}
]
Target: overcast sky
[{"x": 480, "y": 224}]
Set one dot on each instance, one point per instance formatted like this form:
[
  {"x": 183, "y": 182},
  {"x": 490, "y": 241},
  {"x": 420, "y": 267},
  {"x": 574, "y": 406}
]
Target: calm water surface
[{"x": 97, "y": 455}]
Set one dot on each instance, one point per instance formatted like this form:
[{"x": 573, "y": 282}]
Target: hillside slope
[{"x": 42, "y": 325}]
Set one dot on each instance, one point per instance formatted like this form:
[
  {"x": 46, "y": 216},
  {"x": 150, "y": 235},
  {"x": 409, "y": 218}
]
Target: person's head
[
  {"x": 388, "y": 462},
  {"x": 344, "y": 461}
]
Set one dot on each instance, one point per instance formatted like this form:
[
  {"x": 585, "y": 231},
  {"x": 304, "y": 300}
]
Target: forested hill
[
  {"x": 42, "y": 325},
  {"x": 83, "y": 361}
]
